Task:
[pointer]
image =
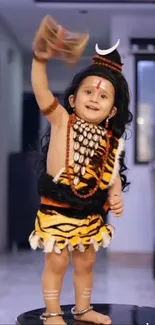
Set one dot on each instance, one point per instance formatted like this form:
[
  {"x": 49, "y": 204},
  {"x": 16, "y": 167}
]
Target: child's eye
[
  {"x": 103, "y": 96},
  {"x": 88, "y": 92}
]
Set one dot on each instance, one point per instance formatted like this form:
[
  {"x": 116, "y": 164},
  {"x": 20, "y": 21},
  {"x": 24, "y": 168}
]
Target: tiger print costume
[{"x": 64, "y": 219}]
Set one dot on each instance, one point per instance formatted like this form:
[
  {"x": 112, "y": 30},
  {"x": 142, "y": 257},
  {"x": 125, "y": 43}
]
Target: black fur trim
[{"x": 63, "y": 194}]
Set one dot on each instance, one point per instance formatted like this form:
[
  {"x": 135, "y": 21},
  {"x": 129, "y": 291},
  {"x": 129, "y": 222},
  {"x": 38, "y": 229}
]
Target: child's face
[{"x": 95, "y": 100}]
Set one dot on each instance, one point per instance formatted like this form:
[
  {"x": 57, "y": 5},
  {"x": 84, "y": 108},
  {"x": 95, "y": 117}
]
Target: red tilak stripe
[{"x": 99, "y": 84}]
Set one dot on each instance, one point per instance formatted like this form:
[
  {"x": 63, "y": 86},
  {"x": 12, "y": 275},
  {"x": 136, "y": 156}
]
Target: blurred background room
[{"x": 125, "y": 272}]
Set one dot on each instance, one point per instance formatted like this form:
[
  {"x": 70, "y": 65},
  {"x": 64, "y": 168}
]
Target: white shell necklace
[{"x": 87, "y": 138}]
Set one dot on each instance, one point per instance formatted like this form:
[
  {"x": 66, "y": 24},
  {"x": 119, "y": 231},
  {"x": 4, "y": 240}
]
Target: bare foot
[
  {"x": 57, "y": 320},
  {"x": 94, "y": 317}
]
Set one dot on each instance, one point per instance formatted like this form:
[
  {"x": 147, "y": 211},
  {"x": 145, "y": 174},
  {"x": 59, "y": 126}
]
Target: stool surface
[{"x": 119, "y": 314}]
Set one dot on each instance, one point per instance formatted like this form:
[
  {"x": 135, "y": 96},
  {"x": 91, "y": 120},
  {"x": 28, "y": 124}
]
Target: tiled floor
[{"x": 115, "y": 281}]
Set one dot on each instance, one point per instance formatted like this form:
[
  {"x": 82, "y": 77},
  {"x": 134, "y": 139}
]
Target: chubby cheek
[
  {"x": 79, "y": 102},
  {"x": 106, "y": 107}
]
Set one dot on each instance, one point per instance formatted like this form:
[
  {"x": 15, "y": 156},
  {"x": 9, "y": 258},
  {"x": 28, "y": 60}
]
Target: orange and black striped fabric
[{"x": 55, "y": 229}]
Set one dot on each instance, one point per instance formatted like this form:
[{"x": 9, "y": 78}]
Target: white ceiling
[{"x": 24, "y": 16}]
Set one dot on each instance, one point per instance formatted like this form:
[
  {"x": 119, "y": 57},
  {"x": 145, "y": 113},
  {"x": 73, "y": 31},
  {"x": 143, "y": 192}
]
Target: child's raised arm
[
  {"x": 47, "y": 103},
  {"x": 53, "y": 40}
]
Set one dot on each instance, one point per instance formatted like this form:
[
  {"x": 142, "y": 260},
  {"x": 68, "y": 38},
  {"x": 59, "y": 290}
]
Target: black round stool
[{"x": 119, "y": 314}]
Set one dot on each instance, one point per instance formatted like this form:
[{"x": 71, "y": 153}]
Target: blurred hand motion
[{"x": 52, "y": 40}]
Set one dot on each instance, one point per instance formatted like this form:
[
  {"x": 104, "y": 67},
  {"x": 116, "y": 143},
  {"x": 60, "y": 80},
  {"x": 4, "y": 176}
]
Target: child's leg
[
  {"x": 55, "y": 267},
  {"x": 83, "y": 263}
]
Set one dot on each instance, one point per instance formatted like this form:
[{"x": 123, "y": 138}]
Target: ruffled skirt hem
[{"x": 53, "y": 244}]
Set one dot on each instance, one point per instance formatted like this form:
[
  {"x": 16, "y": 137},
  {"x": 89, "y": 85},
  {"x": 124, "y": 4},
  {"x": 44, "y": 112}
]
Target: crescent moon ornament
[{"x": 108, "y": 51}]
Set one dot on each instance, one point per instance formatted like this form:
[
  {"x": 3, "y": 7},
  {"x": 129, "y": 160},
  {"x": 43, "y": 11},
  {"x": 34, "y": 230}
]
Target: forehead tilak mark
[{"x": 99, "y": 84}]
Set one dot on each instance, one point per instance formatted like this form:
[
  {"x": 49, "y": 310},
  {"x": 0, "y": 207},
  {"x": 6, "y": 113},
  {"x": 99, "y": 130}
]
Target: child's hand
[
  {"x": 116, "y": 205},
  {"x": 53, "y": 40},
  {"x": 48, "y": 39}
]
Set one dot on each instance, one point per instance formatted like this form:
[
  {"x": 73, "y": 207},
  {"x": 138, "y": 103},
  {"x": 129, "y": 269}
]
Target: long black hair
[{"x": 123, "y": 117}]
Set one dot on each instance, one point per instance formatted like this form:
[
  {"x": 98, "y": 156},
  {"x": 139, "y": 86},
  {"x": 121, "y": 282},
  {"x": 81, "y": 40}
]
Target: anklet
[
  {"x": 44, "y": 316},
  {"x": 82, "y": 312}
]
